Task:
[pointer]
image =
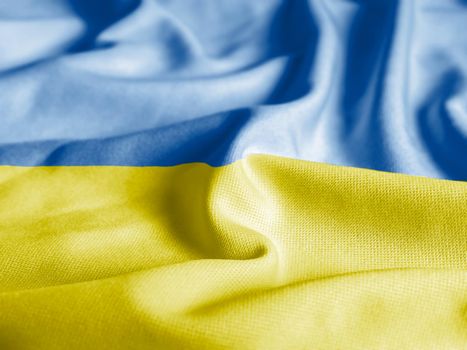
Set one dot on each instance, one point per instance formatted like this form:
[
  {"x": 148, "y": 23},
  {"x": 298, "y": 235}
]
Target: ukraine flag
[{"x": 233, "y": 174}]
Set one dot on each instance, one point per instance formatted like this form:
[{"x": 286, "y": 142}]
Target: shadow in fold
[
  {"x": 446, "y": 144},
  {"x": 98, "y": 15},
  {"x": 368, "y": 50},
  {"x": 294, "y": 32},
  {"x": 208, "y": 139}
]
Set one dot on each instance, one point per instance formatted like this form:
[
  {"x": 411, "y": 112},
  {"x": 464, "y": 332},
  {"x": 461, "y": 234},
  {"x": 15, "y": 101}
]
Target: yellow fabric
[{"x": 265, "y": 253}]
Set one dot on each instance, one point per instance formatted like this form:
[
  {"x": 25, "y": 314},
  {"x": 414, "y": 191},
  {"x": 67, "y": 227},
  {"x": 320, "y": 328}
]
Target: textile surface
[
  {"x": 233, "y": 174},
  {"x": 365, "y": 83},
  {"x": 266, "y": 253}
]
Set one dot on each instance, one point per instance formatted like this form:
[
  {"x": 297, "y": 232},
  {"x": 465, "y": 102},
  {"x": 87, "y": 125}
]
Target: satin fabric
[
  {"x": 264, "y": 253},
  {"x": 364, "y": 83}
]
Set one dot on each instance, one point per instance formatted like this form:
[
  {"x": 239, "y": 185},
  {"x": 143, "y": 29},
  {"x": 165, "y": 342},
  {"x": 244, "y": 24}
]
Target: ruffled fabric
[
  {"x": 265, "y": 253},
  {"x": 372, "y": 84}
]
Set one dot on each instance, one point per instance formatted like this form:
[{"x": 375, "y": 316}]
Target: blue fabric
[{"x": 373, "y": 84}]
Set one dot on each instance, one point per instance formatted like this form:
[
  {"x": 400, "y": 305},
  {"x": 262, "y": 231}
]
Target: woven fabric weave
[{"x": 265, "y": 253}]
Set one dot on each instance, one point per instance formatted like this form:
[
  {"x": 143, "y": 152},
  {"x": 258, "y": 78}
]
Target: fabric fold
[{"x": 192, "y": 254}]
